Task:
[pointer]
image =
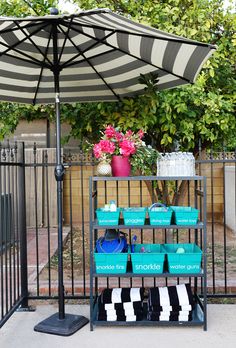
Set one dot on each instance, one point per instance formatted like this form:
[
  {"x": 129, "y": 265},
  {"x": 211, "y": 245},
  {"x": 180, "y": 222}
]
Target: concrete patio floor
[{"x": 18, "y": 332}]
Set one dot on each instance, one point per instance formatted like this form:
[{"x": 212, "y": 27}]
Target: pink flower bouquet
[
  {"x": 129, "y": 144},
  {"x": 114, "y": 142}
]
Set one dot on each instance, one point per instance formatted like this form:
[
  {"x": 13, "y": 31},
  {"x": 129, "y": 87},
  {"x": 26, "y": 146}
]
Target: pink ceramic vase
[{"x": 120, "y": 166}]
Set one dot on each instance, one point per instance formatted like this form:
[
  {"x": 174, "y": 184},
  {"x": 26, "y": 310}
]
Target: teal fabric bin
[
  {"x": 149, "y": 261},
  {"x": 160, "y": 216},
  {"x": 112, "y": 263},
  {"x": 108, "y": 217},
  {"x": 187, "y": 262},
  {"x": 134, "y": 215},
  {"x": 184, "y": 215}
]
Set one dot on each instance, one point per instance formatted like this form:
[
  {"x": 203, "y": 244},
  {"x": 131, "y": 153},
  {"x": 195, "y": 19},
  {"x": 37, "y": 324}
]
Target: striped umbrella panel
[{"x": 100, "y": 56}]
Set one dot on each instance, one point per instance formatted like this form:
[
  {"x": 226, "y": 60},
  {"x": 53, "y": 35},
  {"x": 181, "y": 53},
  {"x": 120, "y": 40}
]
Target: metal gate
[
  {"x": 220, "y": 169},
  {"x": 13, "y": 255}
]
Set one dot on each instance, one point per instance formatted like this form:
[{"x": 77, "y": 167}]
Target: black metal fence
[
  {"x": 13, "y": 255},
  {"x": 220, "y": 170},
  {"x": 28, "y": 224}
]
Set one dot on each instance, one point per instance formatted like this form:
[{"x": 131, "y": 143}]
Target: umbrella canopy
[{"x": 99, "y": 57}]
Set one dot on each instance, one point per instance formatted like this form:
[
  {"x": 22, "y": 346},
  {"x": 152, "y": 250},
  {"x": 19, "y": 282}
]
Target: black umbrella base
[{"x": 62, "y": 327}]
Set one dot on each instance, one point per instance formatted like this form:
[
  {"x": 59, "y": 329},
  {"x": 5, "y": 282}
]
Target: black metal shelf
[
  {"x": 146, "y": 226},
  {"x": 165, "y": 274},
  {"x": 198, "y": 320},
  {"x": 147, "y": 178},
  {"x": 146, "y": 275},
  {"x": 199, "y": 196}
]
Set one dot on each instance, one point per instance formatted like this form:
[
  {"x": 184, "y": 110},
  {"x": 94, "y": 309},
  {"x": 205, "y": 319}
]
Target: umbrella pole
[
  {"x": 60, "y": 323},
  {"x": 59, "y": 174}
]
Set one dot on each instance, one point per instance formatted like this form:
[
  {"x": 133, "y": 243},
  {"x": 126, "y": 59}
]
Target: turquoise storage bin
[
  {"x": 112, "y": 263},
  {"x": 160, "y": 216},
  {"x": 108, "y": 217},
  {"x": 134, "y": 215},
  {"x": 187, "y": 262},
  {"x": 151, "y": 261},
  {"x": 184, "y": 215}
]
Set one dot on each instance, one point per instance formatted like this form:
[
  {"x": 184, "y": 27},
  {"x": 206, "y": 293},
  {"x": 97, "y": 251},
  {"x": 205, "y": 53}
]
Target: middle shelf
[
  {"x": 130, "y": 274},
  {"x": 159, "y": 260}
]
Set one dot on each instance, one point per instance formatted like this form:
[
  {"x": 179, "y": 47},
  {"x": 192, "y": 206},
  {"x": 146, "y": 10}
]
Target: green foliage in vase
[{"x": 145, "y": 161}]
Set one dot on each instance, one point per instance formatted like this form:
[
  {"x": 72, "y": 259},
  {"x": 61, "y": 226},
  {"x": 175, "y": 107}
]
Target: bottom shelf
[{"x": 198, "y": 320}]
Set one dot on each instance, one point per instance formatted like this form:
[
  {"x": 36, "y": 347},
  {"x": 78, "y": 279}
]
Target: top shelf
[
  {"x": 95, "y": 225},
  {"x": 150, "y": 178}
]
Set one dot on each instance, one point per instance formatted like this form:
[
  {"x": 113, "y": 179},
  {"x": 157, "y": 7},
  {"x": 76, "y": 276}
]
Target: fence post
[{"x": 23, "y": 232}]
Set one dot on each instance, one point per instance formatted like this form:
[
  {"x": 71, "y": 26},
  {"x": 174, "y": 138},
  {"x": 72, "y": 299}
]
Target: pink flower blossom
[
  {"x": 104, "y": 146},
  {"x": 140, "y": 134},
  {"x": 129, "y": 133},
  {"x": 117, "y": 143},
  {"x": 127, "y": 147},
  {"x": 107, "y": 146},
  {"x": 110, "y": 132},
  {"x": 118, "y": 136},
  {"x": 97, "y": 150}
]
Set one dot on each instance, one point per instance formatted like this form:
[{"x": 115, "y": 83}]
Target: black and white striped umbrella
[{"x": 99, "y": 57}]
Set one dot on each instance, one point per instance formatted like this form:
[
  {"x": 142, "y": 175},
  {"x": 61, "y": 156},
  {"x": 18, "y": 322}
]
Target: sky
[{"x": 67, "y": 6}]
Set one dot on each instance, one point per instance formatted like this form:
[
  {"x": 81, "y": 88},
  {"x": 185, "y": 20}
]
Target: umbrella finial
[{"x": 54, "y": 11}]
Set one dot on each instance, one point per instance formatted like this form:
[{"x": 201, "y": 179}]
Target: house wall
[{"x": 41, "y": 132}]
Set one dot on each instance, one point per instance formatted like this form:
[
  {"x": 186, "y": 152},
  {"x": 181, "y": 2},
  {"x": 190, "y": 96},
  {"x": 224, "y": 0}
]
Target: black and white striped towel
[
  {"x": 122, "y": 295},
  {"x": 172, "y": 317},
  {"x": 172, "y": 303},
  {"x": 177, "y": 297},
  {"x": 168, "y": 313},
  {"x": 119, "y": 317},
  {"x": 136, "y": 305},
  {"x": 133, "y": 308},
  {"x": 170, "y": 308},
  {"x": 121, "y": 304}
]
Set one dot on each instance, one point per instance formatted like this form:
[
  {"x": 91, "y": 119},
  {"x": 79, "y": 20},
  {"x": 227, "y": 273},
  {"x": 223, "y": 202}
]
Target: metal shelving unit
[{"x": 199, "y": 229}]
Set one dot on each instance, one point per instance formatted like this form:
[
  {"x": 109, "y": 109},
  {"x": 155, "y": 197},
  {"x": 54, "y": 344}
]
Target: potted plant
[{"x": 124, "y": 152}]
